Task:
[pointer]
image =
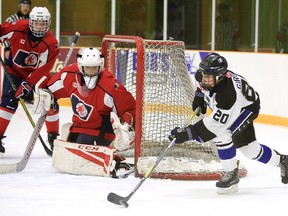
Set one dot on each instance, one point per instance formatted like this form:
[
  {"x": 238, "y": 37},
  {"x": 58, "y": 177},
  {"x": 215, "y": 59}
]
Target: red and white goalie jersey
[{"x": 92, "y": 107}]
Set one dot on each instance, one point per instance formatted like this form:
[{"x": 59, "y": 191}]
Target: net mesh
[{"x": 164, "y": 91}]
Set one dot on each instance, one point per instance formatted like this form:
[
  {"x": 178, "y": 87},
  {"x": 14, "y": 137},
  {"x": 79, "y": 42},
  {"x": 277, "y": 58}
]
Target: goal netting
[{"x": 155, "y": 72}]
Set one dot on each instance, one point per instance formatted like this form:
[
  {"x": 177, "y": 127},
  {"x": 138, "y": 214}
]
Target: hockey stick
[
  {"x": 74, "y": 41},
  {"x": 47, "y": 150},
  {"x": 119, "y": 200},
  {"x": 17, "y": 167}
]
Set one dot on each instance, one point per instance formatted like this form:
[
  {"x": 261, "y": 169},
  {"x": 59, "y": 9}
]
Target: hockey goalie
[{"x": 102, "y": 121}]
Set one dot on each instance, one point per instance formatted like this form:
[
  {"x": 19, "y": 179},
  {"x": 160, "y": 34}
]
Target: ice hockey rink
[{"x": 41, "y": 190}]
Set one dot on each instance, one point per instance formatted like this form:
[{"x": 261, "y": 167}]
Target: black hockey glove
[
  {"x": 181, "y": 135},
  {"x": 199, "y": 102}
]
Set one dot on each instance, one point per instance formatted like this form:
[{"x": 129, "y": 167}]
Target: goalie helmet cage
[{"x": 155, "y": 72}]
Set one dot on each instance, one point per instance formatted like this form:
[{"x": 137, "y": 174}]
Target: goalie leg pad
[{"x": 83, "y": 159}]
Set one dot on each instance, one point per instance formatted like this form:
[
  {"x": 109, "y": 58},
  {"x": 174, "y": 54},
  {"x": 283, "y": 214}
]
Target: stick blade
[
  {"x": 8, "y": 168},
  {"x": 118, "y": 200}
]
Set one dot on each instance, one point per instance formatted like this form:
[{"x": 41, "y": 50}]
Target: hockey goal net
[{"x": 155, "y": 72}]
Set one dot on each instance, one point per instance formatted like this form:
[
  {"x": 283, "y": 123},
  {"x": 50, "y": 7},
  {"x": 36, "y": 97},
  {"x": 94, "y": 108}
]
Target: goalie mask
[
  {"x": 90, "y": 64},
  {"x": 211, "y": 71},
  {"x": 39, "y": 21}
]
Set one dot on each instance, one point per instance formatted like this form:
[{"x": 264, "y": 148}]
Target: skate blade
[
  {"x": 231, "y": 189},
  {"x": 1, "y": 155}
]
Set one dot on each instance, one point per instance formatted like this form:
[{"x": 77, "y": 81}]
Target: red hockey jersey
[
  {"x": 92, "y": 107},
  {"x": 30, "y": 60}
]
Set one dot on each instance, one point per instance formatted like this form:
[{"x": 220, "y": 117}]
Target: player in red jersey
[
  {"x": 24, "y": 9},
  {"x": 103, "y": 115},
  {"x": 94, "y": 93},
  {"x": 33, "y": 52}
]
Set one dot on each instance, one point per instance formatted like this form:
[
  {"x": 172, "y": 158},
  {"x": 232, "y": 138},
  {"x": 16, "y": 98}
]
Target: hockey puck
[{"x": 123, "y": 203}]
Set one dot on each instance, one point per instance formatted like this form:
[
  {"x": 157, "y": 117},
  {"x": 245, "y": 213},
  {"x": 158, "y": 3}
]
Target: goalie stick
[{"x": 119, "y": 200}]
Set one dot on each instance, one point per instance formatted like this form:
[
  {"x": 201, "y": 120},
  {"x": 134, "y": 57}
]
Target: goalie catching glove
[{"x": 124, "y": 132}]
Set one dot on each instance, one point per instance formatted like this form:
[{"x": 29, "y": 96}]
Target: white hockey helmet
[
  {"x": 90, "y": 57},
  {"x": 39, "y": 21}
]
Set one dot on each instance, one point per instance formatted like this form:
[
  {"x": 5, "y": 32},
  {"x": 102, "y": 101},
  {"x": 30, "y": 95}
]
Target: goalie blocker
[{"x": 81, "y": 159}]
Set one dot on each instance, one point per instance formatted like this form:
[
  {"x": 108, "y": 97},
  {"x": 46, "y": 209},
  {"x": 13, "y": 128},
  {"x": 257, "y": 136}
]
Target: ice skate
[
  {"x": 284, "y": 168},
  {"x": 228, "y": 183},
  {"x": 122, "y": 170},
  {"x": 51, "y": 138},
  {"x": 2, "y": 149}
]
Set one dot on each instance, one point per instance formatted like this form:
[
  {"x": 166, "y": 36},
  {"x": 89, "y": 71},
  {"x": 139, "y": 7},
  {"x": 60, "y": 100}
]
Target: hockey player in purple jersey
[{"x": 234, "y": 105}]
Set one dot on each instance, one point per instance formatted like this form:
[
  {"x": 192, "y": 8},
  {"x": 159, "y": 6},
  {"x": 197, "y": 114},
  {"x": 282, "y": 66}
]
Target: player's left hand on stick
[
  {"x": 23, "y": 90},
  {"x": 181, "y": 134}
]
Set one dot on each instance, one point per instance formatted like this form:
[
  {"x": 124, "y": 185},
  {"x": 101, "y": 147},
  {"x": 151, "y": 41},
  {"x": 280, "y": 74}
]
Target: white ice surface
[{"x": 41, "y": 190}]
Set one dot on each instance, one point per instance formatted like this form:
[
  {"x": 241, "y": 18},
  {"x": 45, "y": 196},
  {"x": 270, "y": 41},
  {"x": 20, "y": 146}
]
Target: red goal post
[{"x": 156, "y": 74}]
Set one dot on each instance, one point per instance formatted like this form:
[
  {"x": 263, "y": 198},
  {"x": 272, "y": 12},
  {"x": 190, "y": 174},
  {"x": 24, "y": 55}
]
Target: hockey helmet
[
  {"x": 213, "y": 64},
  {"x": 39, "y": 21},
  {"x": 90, "y": 57}
]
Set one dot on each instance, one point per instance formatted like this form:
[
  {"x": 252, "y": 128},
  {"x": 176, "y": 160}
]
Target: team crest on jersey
[
  {"x": 25, "y": 59},
  {"x": 80, "y": 108},
  {"x": 31, "y": 59}
]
